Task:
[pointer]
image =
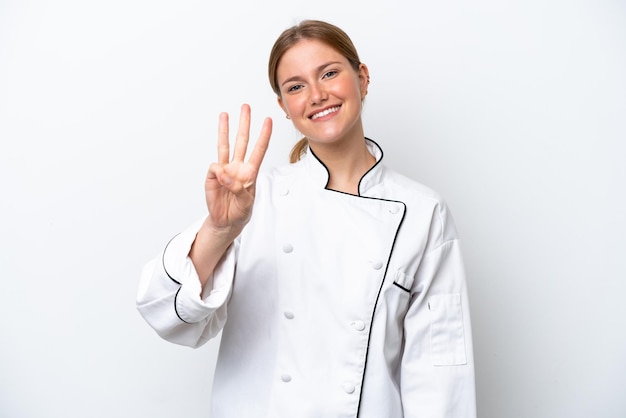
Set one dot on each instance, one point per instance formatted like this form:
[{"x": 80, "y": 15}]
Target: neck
[{"x": 346, "y": 164}]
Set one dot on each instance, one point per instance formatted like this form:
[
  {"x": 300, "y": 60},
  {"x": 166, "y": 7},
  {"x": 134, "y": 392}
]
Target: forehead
[{"x": 305, "y": 56}]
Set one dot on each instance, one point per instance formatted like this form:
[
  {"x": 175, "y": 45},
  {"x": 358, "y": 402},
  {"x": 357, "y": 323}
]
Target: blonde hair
[{"x": 325, "y": 32}]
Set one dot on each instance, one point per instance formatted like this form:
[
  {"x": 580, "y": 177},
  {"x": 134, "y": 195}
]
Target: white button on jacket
[{"x": 331, "y": 304}]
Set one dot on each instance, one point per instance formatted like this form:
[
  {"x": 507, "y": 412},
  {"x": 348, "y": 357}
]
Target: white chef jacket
[{"x": 331, "y": 304}]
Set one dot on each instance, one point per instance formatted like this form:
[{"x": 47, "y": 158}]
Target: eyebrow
[{"x": 318, "y": 69}]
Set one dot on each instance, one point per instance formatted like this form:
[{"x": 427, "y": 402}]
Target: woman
[{"x": 337, "y": 282}]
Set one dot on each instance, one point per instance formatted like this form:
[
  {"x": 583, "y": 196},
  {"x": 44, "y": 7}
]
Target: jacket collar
[{"x": 319, "y": 175}]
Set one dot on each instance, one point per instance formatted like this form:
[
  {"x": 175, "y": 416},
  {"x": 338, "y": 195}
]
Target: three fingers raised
[
  {"x": 242, "y": 139},
  {"x": 225, "y": 164}
]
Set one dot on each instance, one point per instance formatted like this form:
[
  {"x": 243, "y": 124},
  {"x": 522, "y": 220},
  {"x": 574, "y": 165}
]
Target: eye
[
  {"x": 294, "y": 88},
  {"x": 329, "y": 74}
]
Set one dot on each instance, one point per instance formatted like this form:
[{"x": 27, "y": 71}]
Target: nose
[{"x": 317, "y": 94}]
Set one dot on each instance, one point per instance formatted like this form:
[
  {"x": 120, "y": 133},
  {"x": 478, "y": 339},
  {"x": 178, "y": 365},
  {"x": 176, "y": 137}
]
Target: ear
[
  {"x": 364, "y": 79},
  {"x": 282, "y": 105}
]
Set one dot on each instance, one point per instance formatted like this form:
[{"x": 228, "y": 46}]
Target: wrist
[{"x": 220, "y": 233}]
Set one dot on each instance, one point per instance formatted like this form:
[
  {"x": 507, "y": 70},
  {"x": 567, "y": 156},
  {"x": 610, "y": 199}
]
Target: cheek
[
  {"x": 350, "y": 88},
  {"x": 293, "y": 104}
]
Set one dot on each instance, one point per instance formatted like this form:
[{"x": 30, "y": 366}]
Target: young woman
[{"x": 337, "y": 282}]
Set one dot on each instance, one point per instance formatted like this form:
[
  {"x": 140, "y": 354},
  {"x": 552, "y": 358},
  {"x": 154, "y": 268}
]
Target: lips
[{"x": 324, "y": 112}]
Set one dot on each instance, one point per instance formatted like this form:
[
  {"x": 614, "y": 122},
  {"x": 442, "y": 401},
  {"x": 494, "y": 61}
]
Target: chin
[{"x": 325, "y": 138}]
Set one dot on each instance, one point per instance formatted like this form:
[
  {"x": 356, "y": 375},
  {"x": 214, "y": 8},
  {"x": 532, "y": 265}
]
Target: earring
[{"x": 287, "y": 116}]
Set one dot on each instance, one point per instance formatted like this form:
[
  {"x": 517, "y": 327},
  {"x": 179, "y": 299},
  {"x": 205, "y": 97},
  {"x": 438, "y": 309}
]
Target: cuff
[{"x": 191, "y": 303}]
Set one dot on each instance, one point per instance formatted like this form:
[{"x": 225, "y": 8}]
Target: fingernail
[{"x": 227, "y": 180}]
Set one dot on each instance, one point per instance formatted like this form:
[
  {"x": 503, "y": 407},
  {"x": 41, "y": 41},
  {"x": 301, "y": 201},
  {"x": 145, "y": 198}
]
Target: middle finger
[{"x": 243, "y": 134}]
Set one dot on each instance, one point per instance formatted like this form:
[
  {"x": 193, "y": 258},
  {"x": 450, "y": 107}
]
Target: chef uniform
[{"x": 330, "y": 304}]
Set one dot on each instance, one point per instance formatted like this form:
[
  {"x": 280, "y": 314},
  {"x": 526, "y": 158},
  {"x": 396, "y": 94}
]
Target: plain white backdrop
[{"x": 514, "y": 111}]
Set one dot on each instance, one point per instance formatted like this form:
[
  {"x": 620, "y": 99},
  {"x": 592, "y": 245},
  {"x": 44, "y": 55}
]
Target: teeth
[{"x": 325, "y": 112}]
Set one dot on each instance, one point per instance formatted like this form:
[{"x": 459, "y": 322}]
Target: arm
[
  {"x": 230, "y": 189},
  {"x": 437, "y": 369},
  {"x": 170, "y": 297},
  {"x": 183, "y": 293}
]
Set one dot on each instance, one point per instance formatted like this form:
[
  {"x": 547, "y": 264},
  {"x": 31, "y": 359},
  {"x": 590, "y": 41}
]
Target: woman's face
[{"x": 321, "y": 92}]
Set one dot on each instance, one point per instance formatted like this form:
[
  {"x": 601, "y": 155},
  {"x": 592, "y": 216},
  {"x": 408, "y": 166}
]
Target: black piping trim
[
  {"x": 402, "y": 287},
  {"x": 163, "y": 261},
  {"x": 174, "y": 280},
  {"x": 382, "y": 154},
  {"x": 382, "y": 282},
  {"x": 323, "y": 165},
  {"x": 176, "y": 310},
  {"x": 362, "y": 177}
]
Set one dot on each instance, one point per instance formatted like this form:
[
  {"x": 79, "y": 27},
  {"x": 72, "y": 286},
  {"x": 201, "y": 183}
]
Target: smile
[{"x": 325, "y": 112}]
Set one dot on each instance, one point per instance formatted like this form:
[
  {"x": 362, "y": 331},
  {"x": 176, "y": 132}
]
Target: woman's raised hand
[{"x": 231, "y": 182}]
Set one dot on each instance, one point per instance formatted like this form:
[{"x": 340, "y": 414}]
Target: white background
[{"x": 514, "y": 111}]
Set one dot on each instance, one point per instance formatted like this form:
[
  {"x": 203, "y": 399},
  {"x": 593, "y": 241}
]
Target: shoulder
[
  {"x": 423, "y": 204},
  {"x": 408, "y": 189}
]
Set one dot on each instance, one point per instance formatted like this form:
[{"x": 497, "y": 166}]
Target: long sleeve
[
  {"x": 437, "y": 370},
  {"x": 170, "y": 297}
]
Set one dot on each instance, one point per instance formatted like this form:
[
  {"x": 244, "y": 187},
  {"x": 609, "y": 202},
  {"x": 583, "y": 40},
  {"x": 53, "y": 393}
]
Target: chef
[{"x": 337, "y": 283}]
